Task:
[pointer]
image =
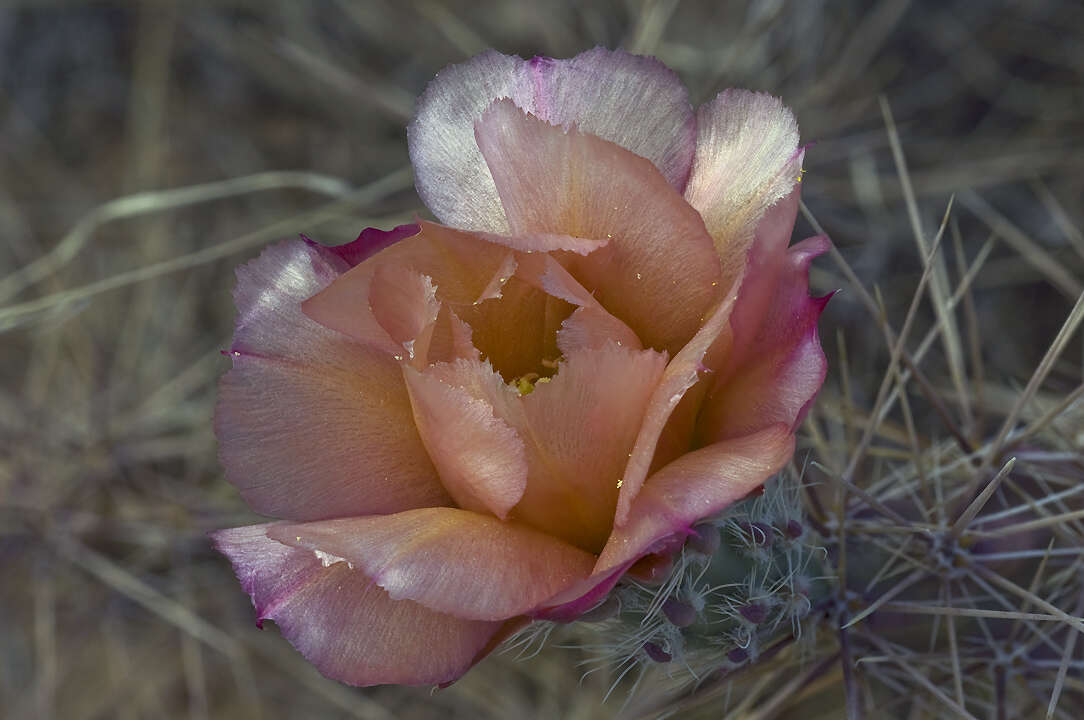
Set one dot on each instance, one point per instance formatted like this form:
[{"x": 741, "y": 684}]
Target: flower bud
[
  {"x": 705, "y": 539},
  {"x": 754, "y": 613},
  {"x": 679, "y": 613},
  {"x": 656, "y": 653}
]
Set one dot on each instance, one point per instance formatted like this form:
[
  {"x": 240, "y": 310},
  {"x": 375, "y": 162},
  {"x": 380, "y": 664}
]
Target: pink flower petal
[
  {"x": 545, "y": 242},
  {"x": 268, "y": 292},
  {"x": 303, "y": 432},
  {"x": 747, "y": 158},
  {"x": 368, "y": 243},
  {"x": 495, "y": 287},
  {"x": 344, "y": 623},
  {"x": 343, "y": 306},
  {"x": 460, "y": 264},
  {"x": 681, "y": 374},
  {"x": 759, "y": 278},
  {"x": 550, "y": 276},
  {"x": 635, "y": 102},
  {"x": 481, "y": 381},
  {"x": 581, "y": 596},
  {"x": 631, "y": 100},
  {"x": 405, "y": 304},
  {"x": 513, "y": 324},
  {"x": 678, "y": 433},
  {"x": 684, "y": 423},
  {"x": 577, "y": 431},
  {"x": 764, "y": 264},
  {"x": 452, "y": 561},
  {"x": 582, "y": 425},
  {"x": 659, "y": 271},
  {"x": 449, "y": 173},
  {"x": 451, "y": 339},
  {"x": 776, "y": 365},
  {"x": 695, "y": 486},
  {"x": 592, "y": 327},
  {"x": 480, "y": 458}
]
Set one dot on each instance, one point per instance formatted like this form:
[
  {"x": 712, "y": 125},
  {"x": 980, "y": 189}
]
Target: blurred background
[{"x": 146, "y": 149}]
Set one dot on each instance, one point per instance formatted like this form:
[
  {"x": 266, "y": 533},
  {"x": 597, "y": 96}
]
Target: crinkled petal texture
[
  {"x": 574, "y": 432},
  {"x": 658, "y": 270},
  {"x": 635, "y": 102},
  {"x": 747, "y": 158},
  {"x": 468, "y": 425},
  {"x": 312, "y": 425},
  {"x": 773, "y": 365},
  {"x": 470, "y": 565},
  {"x": 696, "y": 485},
  {"x": 343, "y": 622}
]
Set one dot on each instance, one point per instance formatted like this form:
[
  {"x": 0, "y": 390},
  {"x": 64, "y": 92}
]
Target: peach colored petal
[
  {"x": 764, "y": 263},
  {"x": 592, "y": 327},
  {"x": 755, "y": 301},
  {"x": 344, "y": 623},
  {"x": 461, "y": 265},
  {"x": 635, "y": 102},
  {"x": 545, "y": 242},
  {"x": 581, "y": 426},
  {"x": 481, "y": 381},
  {"x": 310, "y": 424},
  {"x": 581, "y": 596},
  {"x": 311, "y": 442},
  {"x": 268, "y": 292},
  {"x": 681, "y": 374},
  {"x": 680, "y": 494},
  {"x": 577, "y": 431},
  {"x": 469, "y": 269},
  {"x": 404, "y": 303},
  {"x": 548, "y": 275},
  {"x": 512, "y": 323},
  {"x": 343, "y": 306},
  {"x": 479, "y": 457},
  {"x": 747, "y": 158},
  {"x": 630, "y": 100},
  {"x": 776, "y": 365},
  {"x": 658, "y": 272},
  {"x": 678, "y": 434},
  {"x": 453, "y": 561},
  {"x": 495, "y": 288},
  {"x": 695, "y": 486},
  {"x": 451, "y": 339}
]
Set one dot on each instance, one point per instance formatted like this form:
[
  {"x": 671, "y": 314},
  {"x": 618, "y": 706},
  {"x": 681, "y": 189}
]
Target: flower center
[{"x": 517, "y": 332}]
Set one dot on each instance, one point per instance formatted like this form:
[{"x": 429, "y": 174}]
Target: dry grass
[{"x": 223, "y": 126}]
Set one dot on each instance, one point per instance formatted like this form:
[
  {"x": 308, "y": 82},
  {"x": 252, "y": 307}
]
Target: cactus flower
[{"x": 465, "y": 426}]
